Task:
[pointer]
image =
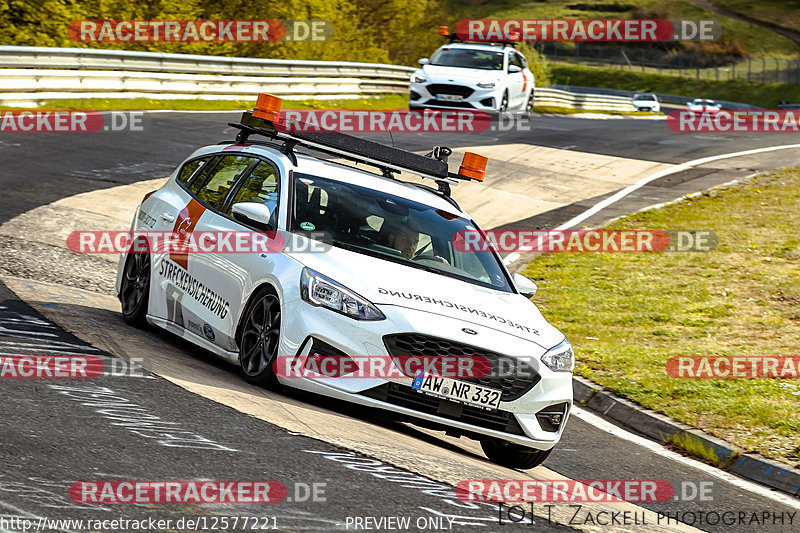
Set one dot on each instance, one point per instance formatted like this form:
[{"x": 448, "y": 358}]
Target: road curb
[{"x": 660, "y": 427}]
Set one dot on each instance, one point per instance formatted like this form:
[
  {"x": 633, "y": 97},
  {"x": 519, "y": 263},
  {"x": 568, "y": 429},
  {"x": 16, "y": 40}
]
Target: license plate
[
  {"x": 449, "y": 97},
  {"x": 459, "y": 391}
]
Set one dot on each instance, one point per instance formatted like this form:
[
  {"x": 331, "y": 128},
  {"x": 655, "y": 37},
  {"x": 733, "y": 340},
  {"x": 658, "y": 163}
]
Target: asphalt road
[{"x": 52, "y": 437}]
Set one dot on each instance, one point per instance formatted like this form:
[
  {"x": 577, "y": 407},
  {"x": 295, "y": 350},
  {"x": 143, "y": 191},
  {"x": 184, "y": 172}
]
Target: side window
[
  {"x": 513, "y": 59},
  {"x": 219, "y": 181},
  {"x": 261, "y": 186},
  {"x": 522, "y": 60},
  {"x": 200, "y": 176},
  {"x": 190, "y": 168}
]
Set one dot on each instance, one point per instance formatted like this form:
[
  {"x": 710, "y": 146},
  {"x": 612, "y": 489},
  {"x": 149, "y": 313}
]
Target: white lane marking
[
  {"x": 658, "y": 449},
  {"x": 599, "y": 206}
]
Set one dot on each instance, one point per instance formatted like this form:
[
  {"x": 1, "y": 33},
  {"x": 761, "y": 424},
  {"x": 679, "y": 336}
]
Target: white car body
[
  {"x": 646, "y": 102},
  {"x": 449, "y": 80},
  {"x": 702, "y": 104},
  {"x": 413, "y": 301}
]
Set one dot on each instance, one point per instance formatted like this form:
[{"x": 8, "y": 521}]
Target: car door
[
  {"x": 516, "y": 81},
  {"x": 194, "y": 298},
  {"x": 171, "y": 209},
  {"x": 233, "y": 273}
]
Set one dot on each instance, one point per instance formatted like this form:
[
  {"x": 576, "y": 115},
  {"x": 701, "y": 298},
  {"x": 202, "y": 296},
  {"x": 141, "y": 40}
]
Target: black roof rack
[{"x": 388, "y": 159}]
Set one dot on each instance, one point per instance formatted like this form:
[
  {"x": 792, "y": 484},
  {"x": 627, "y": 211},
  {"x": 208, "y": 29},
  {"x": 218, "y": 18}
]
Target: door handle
[{"x": 168, "y": 217}]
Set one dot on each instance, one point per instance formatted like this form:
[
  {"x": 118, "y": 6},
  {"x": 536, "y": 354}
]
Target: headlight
[
  {"x": 322, "y": 291},
  {"x": 418, "y": 78},
  {"x": 486, "y": 84},
  {"x": 560, "y": 358}
]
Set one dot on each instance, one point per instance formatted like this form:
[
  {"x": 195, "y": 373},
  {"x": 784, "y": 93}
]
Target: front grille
[
  {"x": 513, "y": 377},
  {"x": 443, "y": 88},
  {"x": 409, "y": 398},
  {"x": 442, "y": 103}
]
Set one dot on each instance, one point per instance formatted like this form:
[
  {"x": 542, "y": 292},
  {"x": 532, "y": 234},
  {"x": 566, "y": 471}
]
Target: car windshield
[
  {"x": 644, "y": 97},
  {"x": 393, "y": 228},
  {"x": 458, "y": 57}
]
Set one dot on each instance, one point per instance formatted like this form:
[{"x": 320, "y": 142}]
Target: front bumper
[
  {"x": 434, "y": 95},
  {"x": 515, "y": 421}
]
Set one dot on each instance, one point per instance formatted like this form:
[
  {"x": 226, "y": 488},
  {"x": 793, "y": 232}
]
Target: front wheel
[
  {"x": 134, "y": 290},
  {"x": 259, "y": 339},
  {"x": 504, "y": 103},
  {"x": 513, "y": 455}
]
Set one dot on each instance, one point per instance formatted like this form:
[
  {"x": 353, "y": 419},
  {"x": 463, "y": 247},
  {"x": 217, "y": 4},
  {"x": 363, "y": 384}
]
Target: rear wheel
[
  {"x": 513, "y": 455},
  {"x": 134, "y": 291},
  {"x": 259, "y": 339},
  {"x": 529, "y": 105}
]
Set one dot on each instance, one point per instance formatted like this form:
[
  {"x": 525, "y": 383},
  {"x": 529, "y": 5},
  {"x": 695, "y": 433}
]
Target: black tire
[
  {"x": 259, "y": 339},
  {"x": 529, "y": 106},
  {"x": 415, "y": 108},
  {"x": 134, "y": 291},
  {"x": 503, "y": 103},
  {"x": 513, "y": 455}
]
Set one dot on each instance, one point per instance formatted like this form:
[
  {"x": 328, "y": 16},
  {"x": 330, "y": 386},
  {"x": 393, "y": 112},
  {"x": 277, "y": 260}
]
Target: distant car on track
[
  {"x": 391, "y": 284},
  {"x": 700, "y": 105},
  {"x": 485, "y": 77},
  {"x": 646, "y": 102}
]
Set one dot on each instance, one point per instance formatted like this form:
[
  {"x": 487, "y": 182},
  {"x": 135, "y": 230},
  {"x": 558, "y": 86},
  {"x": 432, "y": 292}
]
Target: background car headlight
[
  {"x": 486, "y": 84},
  {"x": 322, "y": 291},
  {"x": 418, "y": 78},
  {"x": 560, "y": 358}
]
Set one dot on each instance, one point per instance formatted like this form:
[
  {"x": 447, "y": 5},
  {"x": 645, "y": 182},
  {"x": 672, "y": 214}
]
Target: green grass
[
  {"x": 693, "y": 446},
  {"x": 391, "y": 101},
  {"x": 766, "y": 95},
  {"x": 756, "y": 40},
  {"x": 778, "y": 12},
  {"x": 627, "y": 314}
]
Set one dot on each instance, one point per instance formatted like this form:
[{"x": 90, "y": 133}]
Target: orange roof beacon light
[
  {"x": 268, "y": 107},
  {"x": 473, "y": 166},
  {"x": 444, "y": 31}
]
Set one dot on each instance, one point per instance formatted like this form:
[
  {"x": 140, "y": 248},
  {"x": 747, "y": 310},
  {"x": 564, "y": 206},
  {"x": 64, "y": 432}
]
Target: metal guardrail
[
  {"x": 558, "y": 97},
  {"x": 31, "y": 75},
  {"x": 663, "y": 98}
]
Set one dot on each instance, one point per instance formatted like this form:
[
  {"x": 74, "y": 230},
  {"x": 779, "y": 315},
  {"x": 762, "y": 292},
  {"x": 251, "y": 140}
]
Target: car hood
[
  {"x": 458, "y": 74},
  {"x": 384, "y": 282}
]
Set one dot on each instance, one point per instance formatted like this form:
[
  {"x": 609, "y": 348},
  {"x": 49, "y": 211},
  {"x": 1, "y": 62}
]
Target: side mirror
[
  {"x": 252, "y": 214},
  {"x": 513, "y": 69},
  {"x": 525, "y": 286},
  {"x": 424, "y": 61}
]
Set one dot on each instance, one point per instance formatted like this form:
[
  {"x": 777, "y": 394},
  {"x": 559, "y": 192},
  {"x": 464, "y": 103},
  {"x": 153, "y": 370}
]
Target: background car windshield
[
  {"x": 392, "y": 228},
  {"x": 644, "y": 97},
  {"x": 480, "y": 59}
]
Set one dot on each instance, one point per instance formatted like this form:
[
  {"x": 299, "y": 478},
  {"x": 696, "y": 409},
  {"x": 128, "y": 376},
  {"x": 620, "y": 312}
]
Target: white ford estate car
[
  {"x": 484, "y": 77},
  {"x": 363, "y": 266}
]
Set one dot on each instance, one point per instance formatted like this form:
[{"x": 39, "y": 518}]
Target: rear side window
[
  {"x": 217, "y": 183},
  {"x": 190, "y": 168},
  {"x": 261, "y": 186}
]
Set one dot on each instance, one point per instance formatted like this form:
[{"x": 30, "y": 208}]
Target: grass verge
[
  {"x": 766, "y": 95},
  {"x": 627, "y": 314},
  {"x": 391, "y": 101}
]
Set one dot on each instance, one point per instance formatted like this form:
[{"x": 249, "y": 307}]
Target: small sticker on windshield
[
  {"x": 306, "y": 181},
  {"x": 308, "y": 226}
]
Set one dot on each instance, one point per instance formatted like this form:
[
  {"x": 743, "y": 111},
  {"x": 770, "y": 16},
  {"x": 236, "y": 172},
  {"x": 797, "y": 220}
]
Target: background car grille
[
  {"x": 443, "y": 88},
  {"x": 512, "y": 381},
  {"x": 404, "y": 396},
  {"x": 443, "y": 103}
]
